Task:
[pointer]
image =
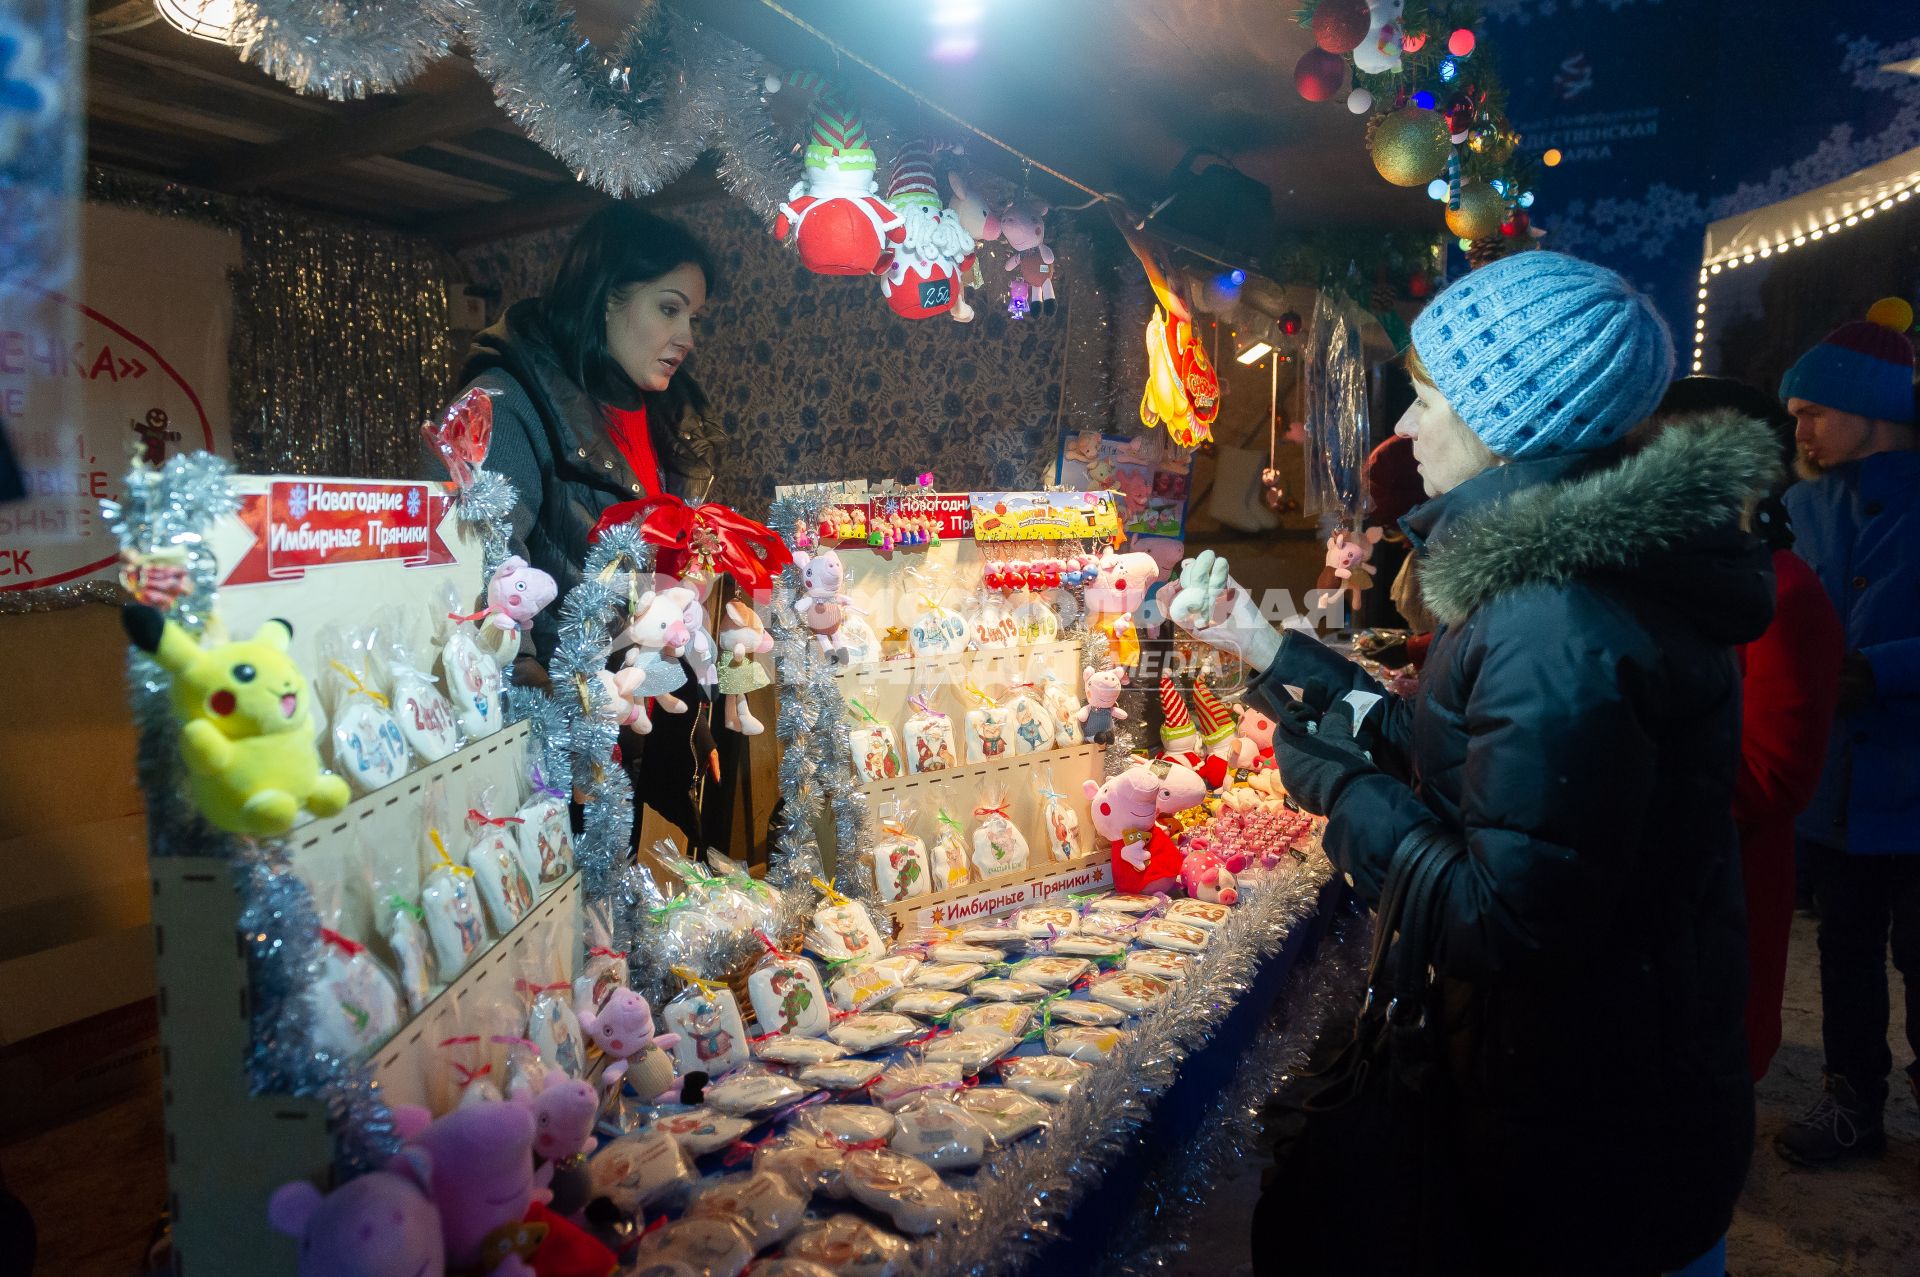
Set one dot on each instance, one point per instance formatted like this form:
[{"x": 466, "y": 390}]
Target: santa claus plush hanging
[
  {"x": 838, "y": 222},
  {"x": 924, "y": 275}
]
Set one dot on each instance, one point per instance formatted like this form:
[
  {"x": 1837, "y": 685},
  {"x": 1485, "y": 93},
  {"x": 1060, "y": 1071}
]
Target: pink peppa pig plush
[
  {"x": 1253, "y": 738},
  {"x": 563, "y": 1111},
  {"x": 1119, "y": 587},
  {"x": 1124, "y": 810},
  {"x": 516, "y": 593},
  {"x": 623, "y": 1029},
  {"x": 1024, "y": 225},
  {"x": 483, "y": 1183},
  {"x": 382, "y": 1224},
  {"x": 1205, "y": 876},
  {"x": 1102, "y": 709}
]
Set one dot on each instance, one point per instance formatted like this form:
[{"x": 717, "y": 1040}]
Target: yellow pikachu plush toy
[{"x": 244, "y": 730}]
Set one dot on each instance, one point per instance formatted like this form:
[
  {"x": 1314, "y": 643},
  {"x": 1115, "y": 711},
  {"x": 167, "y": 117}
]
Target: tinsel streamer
[
  {"x": 1228, "y": 1137},
  {"x": 1025, "y": 1192},
  {"x": 280, "y": 932},
  {"x": 339, "y": 48},
  {"x": 58, "y": 598},
  {"x": 487, "y": 505},
  {"x": 754, "y": 164}
]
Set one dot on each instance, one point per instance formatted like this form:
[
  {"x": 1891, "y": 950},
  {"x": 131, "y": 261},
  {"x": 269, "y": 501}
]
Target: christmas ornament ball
[
  {"x": 1891, "y": 312},
  {"x": 1480, "y": 213},
  {"x": 1340, "y": 25},
  {"x": 1318, "y": 75},
  {"x": 1359, "y": 101},
  {"x": 1410, "y": 146}
]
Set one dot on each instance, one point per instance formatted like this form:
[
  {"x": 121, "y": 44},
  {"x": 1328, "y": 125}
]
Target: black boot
[{"x": 1845, "y": 1124}]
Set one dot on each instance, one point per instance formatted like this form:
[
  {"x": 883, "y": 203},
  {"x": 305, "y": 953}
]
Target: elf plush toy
[
  {"x": 838, "y": 222},
  {"x": 245, "y": 734},
  {"x": 926, "y": 274}
]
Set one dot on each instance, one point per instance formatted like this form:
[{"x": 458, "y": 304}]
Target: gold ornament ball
[
  {"x": 1410, "y": 146},
  {"x": 1480, "y": 213},
  {"x": 1891, "y": 312}
]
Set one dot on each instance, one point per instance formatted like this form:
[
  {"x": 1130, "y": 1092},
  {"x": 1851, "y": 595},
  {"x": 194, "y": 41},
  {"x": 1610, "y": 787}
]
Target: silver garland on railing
[
  {"x": 1179, "y": 1189},
  {"x": 486, "y": 505},
  {"x": 340, "y": 48},
  {"x": 816, "y": 758},
  {"x": 1026, "y": 1192}
]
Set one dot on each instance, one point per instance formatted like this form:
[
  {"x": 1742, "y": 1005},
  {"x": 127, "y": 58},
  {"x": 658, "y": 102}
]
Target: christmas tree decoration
[
  {"x": 1318, "y": 75},
  {"x": 1480, "y": 213},
  {"x": 925, "y": 275},
  {"x": 1340, "y": 25},
  {"x": 834, "y": 214},
  {"x": 1460, "y": 43},
  {"x": 1410, "y": 146},
  {"x": 1379, "y": 51},
  {"x": 1359, "y": 101}
]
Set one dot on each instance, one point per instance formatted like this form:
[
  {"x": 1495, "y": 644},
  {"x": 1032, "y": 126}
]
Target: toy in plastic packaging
[
  {"x": 972, "y": 1049},
  {"x": 754, "y": 1092},
  {"x": 899, "y": 857},
  {"x": 1181, "y": 937},
  {"x": 784, "y": 1048},
  {"x": 1007, "y": 1115},
  {"x": 1046, "y": 922},
  {"x": 842, "y": 1075},
  {"x": 368, "y": 747},
  {"x": 705, "y": 1015},
  {"x": 697, "y": 1246},
  {"x": 859, "y": 986},
  {"x": 545, "y": 837},
  {"x": 948, "y": 975},
  {"x": 700, "y": 1130},
  {"x": 1064, "y": 706},
  {"x": 847, "y": 1124},
  {"x": 1045, "y": 1077},
  {"x": 1033, "y": 727},
  {"x": 425, "y": 716},
  {"x": 998, "y": 845},
  {"x": 1161, "y": 962},
  {"x": 1011, "y": 1018},
  {"x": 451, "y": 904},
  {"x": 494, "y": 856},
  {"x": 786, "y": 994},
  {"x": 849, "y": 1246},
  {"x": 470, "y": 672},
  {"x": 623, "y": 1030},
  {"x": 1079, "y": 1011},
  {"x": 842, "y": 930},
  {"x": 929, "y": 736},
  {"x": 906, "y": 1190},
  {"x": 872, "y": 1031},
  {"x": 765, "y": 1207},
  {"x": 941, "y": 1134},
  {"x": 989, "y": 729},
  {"x": 637, "y": 1170},
  {"x": 1131, "y": 991},
  {"x": 876, "y": 753},
  {"x": 811, "y": 1163},
  {"x": 1081, "y": 1042},
  {"x": 1061, "y": 822},
  {"x": 1198, "y": 913},
  {"x": 998, "y": 990},
  {"x": 354, "y": 1002},
  {"x": 927, "y": 1004},
  {"x": 1051, "y": 972},
  {"x": 947, "y": 861},
  {"x": 909, "y": 1080},
  {"x": 402, "y": 923}
]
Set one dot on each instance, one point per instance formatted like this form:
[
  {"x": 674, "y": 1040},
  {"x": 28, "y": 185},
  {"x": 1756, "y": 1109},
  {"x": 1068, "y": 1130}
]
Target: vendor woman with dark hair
[{"x": 593, "y": 405}]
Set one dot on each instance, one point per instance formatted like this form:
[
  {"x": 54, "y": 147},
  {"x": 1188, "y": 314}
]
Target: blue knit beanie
[
  {"x": 1542, "y": 354},
  {"x": 1864, "y": 368}
]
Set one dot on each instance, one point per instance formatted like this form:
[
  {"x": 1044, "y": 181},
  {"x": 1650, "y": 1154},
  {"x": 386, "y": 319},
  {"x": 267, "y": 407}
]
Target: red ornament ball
[
  {"x": 1460, "y": 43},
  {"x": 1412, "y": 43},
  {"x": 1318, "y": 75},
  {"x": 1419, "y": 286},
  {"x": 1340, "y": 25},
  {"x": 1290, "y": 323}
]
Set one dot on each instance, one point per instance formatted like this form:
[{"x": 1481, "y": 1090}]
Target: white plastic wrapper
[
  {"x": 972, "y": 1049},
  {"x": 706, "y": 1246},
  {"x": 960, "y": 951},
  {"x": 1051, "y": 973},
  {"x": 1076, "y": 1042},
  {"x": 872, "y": 1031},
  {"x": 847, "y": 1124},
  {"x": 903, "y": 965},
  {"x": 948, "y": 975},
  {"x": 753, "y": 1093},
  {"x": 989, "y": 734},
  {"x": 1110, "y": 926},
  {"x": 851, "y": 1247},
  {"x": 928, "y": 733},
  {"x": 354, "y": 1002},
  {"x": 1198, "y": 913},
  {"x": 1124, "y": 903},
  {"x": 844, "y": 932},
  {"x": 765, "y": 1207},
  {"x": 784, "y": 1048},
  {"x": 997, "y": 935},
  {"x": 1065, "y": 708},
  {"x": 910, "y": 1080},
  {"x": 1045, "y": 1077},
  {"x": 811, "y": 1163},
  {"x": 1011, "y": 1018},
  {"x": 454, "y": 924},
  {"x": 1080, "y": 1011},
  {"x": 941, "y": 1134},
  {"x": 638, "y": 1170},
  {"x": 876, "y": 752},
  {"x": 841, "y": 1075},
  {"x": 426, "y": 718},
  {"x": 1062, "y": 824},
  {"x": 859, "y": 987},
  {"x": 1084, "y": 946},
  {"x": 947, "y": 857},
  {"x": 505, "y": 889},
  {"x": 1042, "y": 922},
  {"x": 784, "y": 1267},
  {"x": 787, "y": 996},
  {"x": 1033, "y": 727},
  {"x": 927, "y": 1004},
  {"x": 1007, "y": 1115},
  {"x": 545, "y": 841},
  {"x": 1161, "y": 962},
  {"x": 368, "y": 748},
  {"x": 1181, "y": 937},
  {"x": 700, "y": 1130},
  {"x": 998, "y": 845},
  {"x": 998, "y": 990},
  {"x": 900, "y": 869},
  {"x": 554, "y": 1029},
  {"x": 712, "y": 1038},
  {"x": 1131, "y": 991},
  {"x": 907, "y": 1191},
  {"x": 472, "y": 682}
]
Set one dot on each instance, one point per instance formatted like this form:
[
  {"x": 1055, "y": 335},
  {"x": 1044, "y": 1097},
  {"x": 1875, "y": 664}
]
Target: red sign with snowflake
[{"x": 302, "y": 524}]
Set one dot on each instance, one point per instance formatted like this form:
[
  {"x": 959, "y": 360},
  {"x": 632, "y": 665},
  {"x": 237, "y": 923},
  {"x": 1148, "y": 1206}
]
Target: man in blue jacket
[{"x": 1857, "y": 520}]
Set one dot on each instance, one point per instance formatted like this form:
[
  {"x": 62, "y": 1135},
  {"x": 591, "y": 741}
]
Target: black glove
[{"x": 1317, "y": 767}]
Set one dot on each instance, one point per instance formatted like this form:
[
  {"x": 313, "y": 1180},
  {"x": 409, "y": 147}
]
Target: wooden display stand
[{"x": 227, "y": 1149}]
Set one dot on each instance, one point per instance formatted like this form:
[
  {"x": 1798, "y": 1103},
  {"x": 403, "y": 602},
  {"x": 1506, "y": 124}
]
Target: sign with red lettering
[
  {"x": 299, "y": 525},
  {"x": 990, "y": 899},
  {"x": 908, "y": 520}
]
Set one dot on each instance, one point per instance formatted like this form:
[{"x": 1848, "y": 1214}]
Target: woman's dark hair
[
  {"x": 1691, "y": 395},
  {"x": 620, "y": 246}
]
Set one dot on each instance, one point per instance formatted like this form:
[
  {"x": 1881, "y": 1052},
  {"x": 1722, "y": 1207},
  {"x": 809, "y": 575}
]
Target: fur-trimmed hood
[{"x": 1664, "y": 519}]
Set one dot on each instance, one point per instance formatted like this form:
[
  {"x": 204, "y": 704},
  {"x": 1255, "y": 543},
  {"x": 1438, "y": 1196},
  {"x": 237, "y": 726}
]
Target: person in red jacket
[{"x": 1789, "y": 683}]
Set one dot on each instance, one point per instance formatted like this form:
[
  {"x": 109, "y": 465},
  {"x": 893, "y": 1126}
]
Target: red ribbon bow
[
  {"x": 600, "y": 951},
  {"x": 1001, "y": 810},
  {"x": 340, "y": 942},
  {"x": 478, "y": 817},
  {"x": 521, "y": 986},
  {"x": 713, "y": 535}
]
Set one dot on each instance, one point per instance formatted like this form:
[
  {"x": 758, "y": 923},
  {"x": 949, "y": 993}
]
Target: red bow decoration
[
  {"x": 340, "y": 942},
  {"x": 712, "y": 537},
  {"x": 478, "y": 817}
]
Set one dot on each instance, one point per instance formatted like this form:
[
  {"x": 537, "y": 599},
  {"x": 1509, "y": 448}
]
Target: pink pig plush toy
[
  {"x": 516, "y": 593},
  {"x": 382, "y": 1224},
  {"x": 1205, "y": 876},
  {"x": 483, "y": 1181},
  {"x": 623, "y": 1029}
]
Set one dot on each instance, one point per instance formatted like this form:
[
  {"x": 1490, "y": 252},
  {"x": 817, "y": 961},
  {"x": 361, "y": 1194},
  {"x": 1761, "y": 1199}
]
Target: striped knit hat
[
  {"x": 1864, "y": 367},
  {"x": 1216, "y": 721},
  {"x": 1176, "y": 728},
  {"x": 837, "y": 137},
  {"x": 910, "y": 184}
]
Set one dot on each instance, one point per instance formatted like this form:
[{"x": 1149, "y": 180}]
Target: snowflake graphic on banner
[
  {"x": 413, "y": 503},
  {"x": 297, "y": 502}
]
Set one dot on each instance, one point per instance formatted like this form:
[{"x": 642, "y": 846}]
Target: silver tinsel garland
[{"x": 340, "y": 48}]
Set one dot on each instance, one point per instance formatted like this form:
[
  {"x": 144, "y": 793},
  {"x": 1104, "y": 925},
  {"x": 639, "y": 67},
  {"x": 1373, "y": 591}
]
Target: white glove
[{"x": 1217, "y": 610}]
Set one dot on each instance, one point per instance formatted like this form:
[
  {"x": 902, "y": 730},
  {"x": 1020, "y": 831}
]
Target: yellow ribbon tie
[
  {"x": 686, "y": 973},
  {"x": 446, "y": 861},
  {"x": 826, "y": 889},
  {"x": 360, "y": 687}
]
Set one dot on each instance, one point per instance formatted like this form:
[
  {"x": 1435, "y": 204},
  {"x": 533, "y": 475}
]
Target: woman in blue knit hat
[{"x": 1556, "y": 1075}]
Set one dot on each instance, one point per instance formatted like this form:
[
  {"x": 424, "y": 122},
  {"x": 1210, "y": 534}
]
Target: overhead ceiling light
[
  {"x": 202, "y": 19},
  {"x": 1255, "y": 353}
]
